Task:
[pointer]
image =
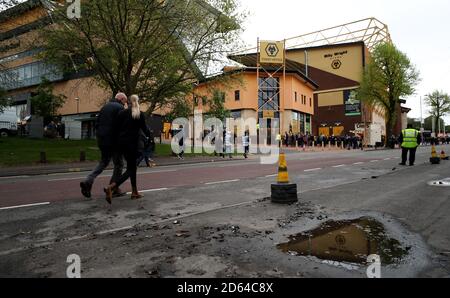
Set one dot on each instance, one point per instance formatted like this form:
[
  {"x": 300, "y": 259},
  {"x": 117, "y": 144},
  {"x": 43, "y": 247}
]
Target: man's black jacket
[{"x": 106, "y": 134}]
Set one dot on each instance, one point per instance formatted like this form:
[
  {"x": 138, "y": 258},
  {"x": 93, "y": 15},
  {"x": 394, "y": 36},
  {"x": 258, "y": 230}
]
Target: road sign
[{"x": 271, "y": 52}]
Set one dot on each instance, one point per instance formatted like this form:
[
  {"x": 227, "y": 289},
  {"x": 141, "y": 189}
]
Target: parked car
[{"x": 8, "y": 123}]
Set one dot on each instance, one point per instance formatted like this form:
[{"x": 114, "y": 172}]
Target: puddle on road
[{"x": 347, "y": 241}]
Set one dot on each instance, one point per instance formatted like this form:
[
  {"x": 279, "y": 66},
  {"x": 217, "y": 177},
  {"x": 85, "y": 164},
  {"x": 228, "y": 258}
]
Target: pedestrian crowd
[{"x": 308, "y": 140}]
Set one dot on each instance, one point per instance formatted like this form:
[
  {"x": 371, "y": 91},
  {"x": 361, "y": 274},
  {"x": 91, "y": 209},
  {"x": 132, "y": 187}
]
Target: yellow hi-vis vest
[{"x": 410, "y": 138}]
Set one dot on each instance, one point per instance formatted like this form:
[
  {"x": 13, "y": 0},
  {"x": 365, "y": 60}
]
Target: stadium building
[{"x": 333, "y": 62}]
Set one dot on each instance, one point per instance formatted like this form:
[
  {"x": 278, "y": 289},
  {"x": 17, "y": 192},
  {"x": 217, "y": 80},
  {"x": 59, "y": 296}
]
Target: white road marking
[
  {"x": 64, "y": 174},
  {"x": 75, "y": 178},
  {"x": 358, "y": 163},
  {"x": 339, "y": 166},
  {"x": 25, "y": 206},
  {"x": 313, "y": 170},
  {"x": 221, "y": 182},
  {"x": 71, "y": 179},
  {"x": 229, "y": 165},
  {"x": 374, "y": 161},
  {"x": 106, "y": 176},
  {"x": 270, "y": 176},
  {"x": 150, "y": 190},
  {"x": 158, "y": 172},
  {"x": 13, "y": 177},
  {"x": 387, "y": 158}
]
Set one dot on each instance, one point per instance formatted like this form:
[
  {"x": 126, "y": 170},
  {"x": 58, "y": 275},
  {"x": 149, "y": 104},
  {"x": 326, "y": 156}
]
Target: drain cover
[{"x": 444, "y": 182}]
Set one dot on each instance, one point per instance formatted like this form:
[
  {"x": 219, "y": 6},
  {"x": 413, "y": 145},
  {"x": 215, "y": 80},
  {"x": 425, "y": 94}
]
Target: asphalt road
[
  {"x": 18, "y": 191},
  {"x": 186, "y": 224}
]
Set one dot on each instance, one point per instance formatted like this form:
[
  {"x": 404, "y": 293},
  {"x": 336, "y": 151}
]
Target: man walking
[
  {"x": 181, "y": 137},
  {"x": 409, "y": 140},
  {"x": 106, "y": 139},
  {"x": 228, "y": 144},
  {"x": 246, "y": 143}
]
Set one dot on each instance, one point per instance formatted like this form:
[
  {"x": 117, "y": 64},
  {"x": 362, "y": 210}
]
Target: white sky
[{"x": 419, "y": 28}]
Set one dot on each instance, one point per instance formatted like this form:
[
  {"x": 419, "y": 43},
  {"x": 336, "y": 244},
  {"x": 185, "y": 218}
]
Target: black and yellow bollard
[
  {"x": 435, "y": 159},
  {"x": 43, "y": 157},
  {"x": 284, "y": 192},
  {"x": 82, "y": 156}
]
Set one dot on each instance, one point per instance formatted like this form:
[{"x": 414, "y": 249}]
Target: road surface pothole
[{"x": 347, "y": 241}]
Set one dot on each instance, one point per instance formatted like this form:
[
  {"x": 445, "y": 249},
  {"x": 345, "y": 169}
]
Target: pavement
[
  {"x": 47, "y": 169},
  {"x": 214, "y": 219}
]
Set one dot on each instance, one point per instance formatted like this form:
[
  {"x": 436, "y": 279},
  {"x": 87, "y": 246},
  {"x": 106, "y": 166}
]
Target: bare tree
[{"x": 439, "y": 103}]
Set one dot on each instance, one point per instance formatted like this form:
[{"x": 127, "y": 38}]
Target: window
[
  {"x": 27, "y": 72},
  {"x": 310, "y": 102},
  {"x": 21, "y": 74},
  {"x": 236, "y": 114},
  {"x": 29, "y": 75},
  {"x": 269, "y": 94},
  {"x": 35, "y": 70},
  {"x": 20, "y": 55},
  {"x": 295, "y": 96},
  {"x": 237, "y": 95}
]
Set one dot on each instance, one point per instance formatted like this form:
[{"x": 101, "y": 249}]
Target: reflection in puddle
[{"x": 347, "y": 241}]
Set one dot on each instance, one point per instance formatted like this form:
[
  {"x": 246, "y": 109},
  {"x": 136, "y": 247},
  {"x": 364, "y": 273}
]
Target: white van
[{"x": 8, "y": 122}]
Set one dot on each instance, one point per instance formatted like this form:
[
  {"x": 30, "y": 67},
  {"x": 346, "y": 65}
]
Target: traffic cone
[
  {"x": 444, "y": 156},
  {"x": 283, "y": 192},
  {"x": 283, "y": 175},
  {"x": 434, "y": 157}
]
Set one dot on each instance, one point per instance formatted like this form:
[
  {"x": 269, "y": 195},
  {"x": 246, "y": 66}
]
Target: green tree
[
  {"x": 388, "y": 77},
  {"x": 179, "y": 108},
  {"x": 152, "y": 48},
  {"x": 45, "y": 103},
  {"x": 217, "y": 106},
  {"x": 439, "y": 102}
]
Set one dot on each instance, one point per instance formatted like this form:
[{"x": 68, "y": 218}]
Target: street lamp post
[
  {"x": 421, "y": 113},
  {"x": 193, "y": 124},
  {"x": 422, "y": 130}
]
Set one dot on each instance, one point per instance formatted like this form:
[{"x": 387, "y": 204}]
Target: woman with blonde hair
[{"x": 129, "y": 123}]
